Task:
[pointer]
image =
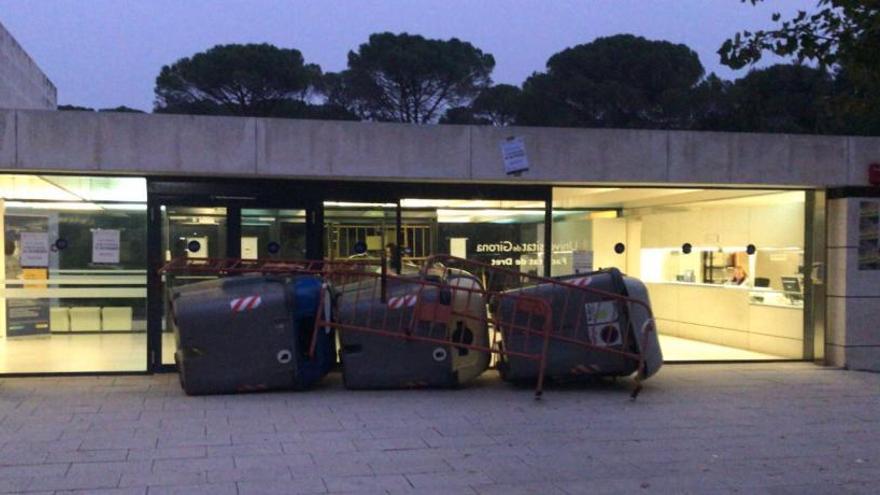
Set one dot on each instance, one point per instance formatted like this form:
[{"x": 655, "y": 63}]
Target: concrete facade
[
  {"x": 22, "y": 83},
  {"x": 143, "y": 144},
  {"x": 187, "y": 146},
  {"x": 853, "y": 295}
]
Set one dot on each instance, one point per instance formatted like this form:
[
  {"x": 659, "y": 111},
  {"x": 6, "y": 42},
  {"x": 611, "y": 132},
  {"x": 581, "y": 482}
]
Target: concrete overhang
[{"x": 245, "y": 147}]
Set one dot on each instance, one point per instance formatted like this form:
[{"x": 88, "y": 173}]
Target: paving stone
[
  {"x": 162, "y": 478},
  {"x": 213, "y": 489},
  {"x": 83, "y": 481},
  {"x": 194, "y": 465},
  {"x": 167, "y": 453},
  {"x": 451, "y": 480},
  {"x": 300, "y": 486},
  {"x": 104, "y": 491},
  {"x": 383, "y": 482},
  {"x": 402, "y": 443},
  {"x": 541, "y": 488},
  {"x": 88, "y": 456},
  {"x": 33, "y": 471},
  {"x": 249, "y": 474},
  {"x": 283, "y": 460}
]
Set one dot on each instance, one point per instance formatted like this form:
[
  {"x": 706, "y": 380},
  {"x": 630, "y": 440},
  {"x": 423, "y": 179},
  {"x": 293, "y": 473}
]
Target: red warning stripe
[
  {"x": 398, "y": 302},
  {"x": 248, "y": 303}
]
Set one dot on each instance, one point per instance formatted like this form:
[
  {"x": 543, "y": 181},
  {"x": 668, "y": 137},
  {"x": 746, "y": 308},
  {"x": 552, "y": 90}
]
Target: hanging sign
[
  {"x": 513, "y": 152},
  {"x": 34, "y": 249},
  {"x": 105, "y": 246}
]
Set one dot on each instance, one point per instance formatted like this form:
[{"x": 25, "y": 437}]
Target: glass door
[
  {"x": 273, "y": 233},
  {"x": 361, "y": 231},
  {"x": 190, "y": 232},
  {"x": 218, "y": 228}
]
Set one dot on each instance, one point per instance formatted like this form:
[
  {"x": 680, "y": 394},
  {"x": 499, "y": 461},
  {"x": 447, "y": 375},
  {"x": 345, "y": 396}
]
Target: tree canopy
[
  {"x": 782, "y": 98},
  {"x": 496, "y": 105},
  {"x": 252, "y": 79},
  {"x": 408, "y": 78},
  {"x": 623, "y": 81},
  {"x": 841, "y": 36},
  {"x": 616, "y": 81}
]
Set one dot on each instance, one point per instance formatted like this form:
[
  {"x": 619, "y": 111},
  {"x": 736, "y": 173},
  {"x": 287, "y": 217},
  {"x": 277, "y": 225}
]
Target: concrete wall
[
  {"x": 249, "y": 147},
  {"x": 22, "y": 83},
  {"x": 853, "y": 295}
]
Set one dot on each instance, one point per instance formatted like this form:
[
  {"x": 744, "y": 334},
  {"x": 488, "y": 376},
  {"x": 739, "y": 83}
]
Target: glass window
[
  {"x": 74, "y": 271},
  {"x": 724, "y": 268},
  {"x": 193, "y": 232},
  {"x": 272, "y": 233},
  {"x": 507, "y": 234},
  {"x": 358, "y": 230}
]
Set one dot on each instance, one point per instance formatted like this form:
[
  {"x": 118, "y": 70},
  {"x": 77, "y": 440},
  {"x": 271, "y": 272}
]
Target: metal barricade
[
  {"x": 443, "y": 315},
  {"x": 598, "y": 327},
  {"x": 441, "y": 322}
]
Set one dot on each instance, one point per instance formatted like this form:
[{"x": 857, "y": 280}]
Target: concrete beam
[
  {"x": 147, "y": 144},
  {"x": 136, "y": 143},
  {"x": 355, "y": 149},
  {"x": 573, "y": 155}
]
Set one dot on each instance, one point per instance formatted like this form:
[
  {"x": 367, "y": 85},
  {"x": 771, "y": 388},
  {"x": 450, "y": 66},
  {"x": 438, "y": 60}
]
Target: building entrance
[
  {"x": 203, "y": 220},
  {"x": 733, "y": 274}
]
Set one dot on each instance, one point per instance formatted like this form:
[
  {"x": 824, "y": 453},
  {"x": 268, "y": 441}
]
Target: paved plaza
[{"x": 748, "y": 428}]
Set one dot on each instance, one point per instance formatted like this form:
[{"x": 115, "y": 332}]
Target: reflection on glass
[
  {"x": 359, "y": 230},
  {"x": 573, "y": 237},
  {"x": 193, "y": 232},
  {"x": 74, "y": 271},
  {"x": 507, "y": 234},
  {"x": 273, "y": 234}
]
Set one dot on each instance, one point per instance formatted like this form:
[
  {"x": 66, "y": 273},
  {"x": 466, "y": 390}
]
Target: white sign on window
[
  {"x": 249, "y": 248},
  {"x": 105, "y": 246},
  {"x": 513, "y": 151},
  {"x": 34, "y": 249},
  {"x": 458, "y": 247}
]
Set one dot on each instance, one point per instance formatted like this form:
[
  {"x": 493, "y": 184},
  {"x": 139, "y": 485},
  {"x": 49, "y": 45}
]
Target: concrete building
[
  {"x": 22, "y": 83},
  {"x": 95, "y": 203}
]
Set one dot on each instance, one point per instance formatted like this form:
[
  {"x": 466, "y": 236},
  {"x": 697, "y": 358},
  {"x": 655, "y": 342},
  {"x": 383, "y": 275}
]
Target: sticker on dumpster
[
  {"x": 585, "y": 369},
  {"x": 601, "y": 312},
  {"x": 398, "y": 302},
  {"x": 581, "y": 281},
  {"x": 248, "y": 303},
  {"x": 606, "y": 335}
]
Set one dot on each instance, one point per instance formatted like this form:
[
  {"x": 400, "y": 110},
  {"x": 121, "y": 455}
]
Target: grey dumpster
[
  {"x": 585, "y": 317},
  {"x": 250, "y": 333},
  {"x": 373, "y": 361}
]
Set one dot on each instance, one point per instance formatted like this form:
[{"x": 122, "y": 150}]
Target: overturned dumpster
[
  {"x": 407, "y": 332},
  {"x": 438, "y": 327},
  {"x": 602, "y": 324},
  {"x": 251, "y": 332}
]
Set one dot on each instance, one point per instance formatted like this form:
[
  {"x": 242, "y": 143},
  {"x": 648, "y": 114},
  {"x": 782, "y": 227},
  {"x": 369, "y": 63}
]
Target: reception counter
[{"x": 755, "y": 319}]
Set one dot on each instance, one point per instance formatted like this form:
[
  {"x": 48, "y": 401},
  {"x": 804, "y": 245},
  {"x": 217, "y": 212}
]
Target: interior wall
[
  {"x": 634, "y": 247},
  {"x": 607, "y": 232}
]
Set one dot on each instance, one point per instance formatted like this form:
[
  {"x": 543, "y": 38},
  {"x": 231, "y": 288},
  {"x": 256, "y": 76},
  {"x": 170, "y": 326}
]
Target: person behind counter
[{"x": 739, "y": 276}]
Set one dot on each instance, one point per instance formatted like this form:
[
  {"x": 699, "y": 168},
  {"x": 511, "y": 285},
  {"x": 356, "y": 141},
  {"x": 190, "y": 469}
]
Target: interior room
[
  {"x": 723, "y": 267},
  {"x": 74, "y": 291}
]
